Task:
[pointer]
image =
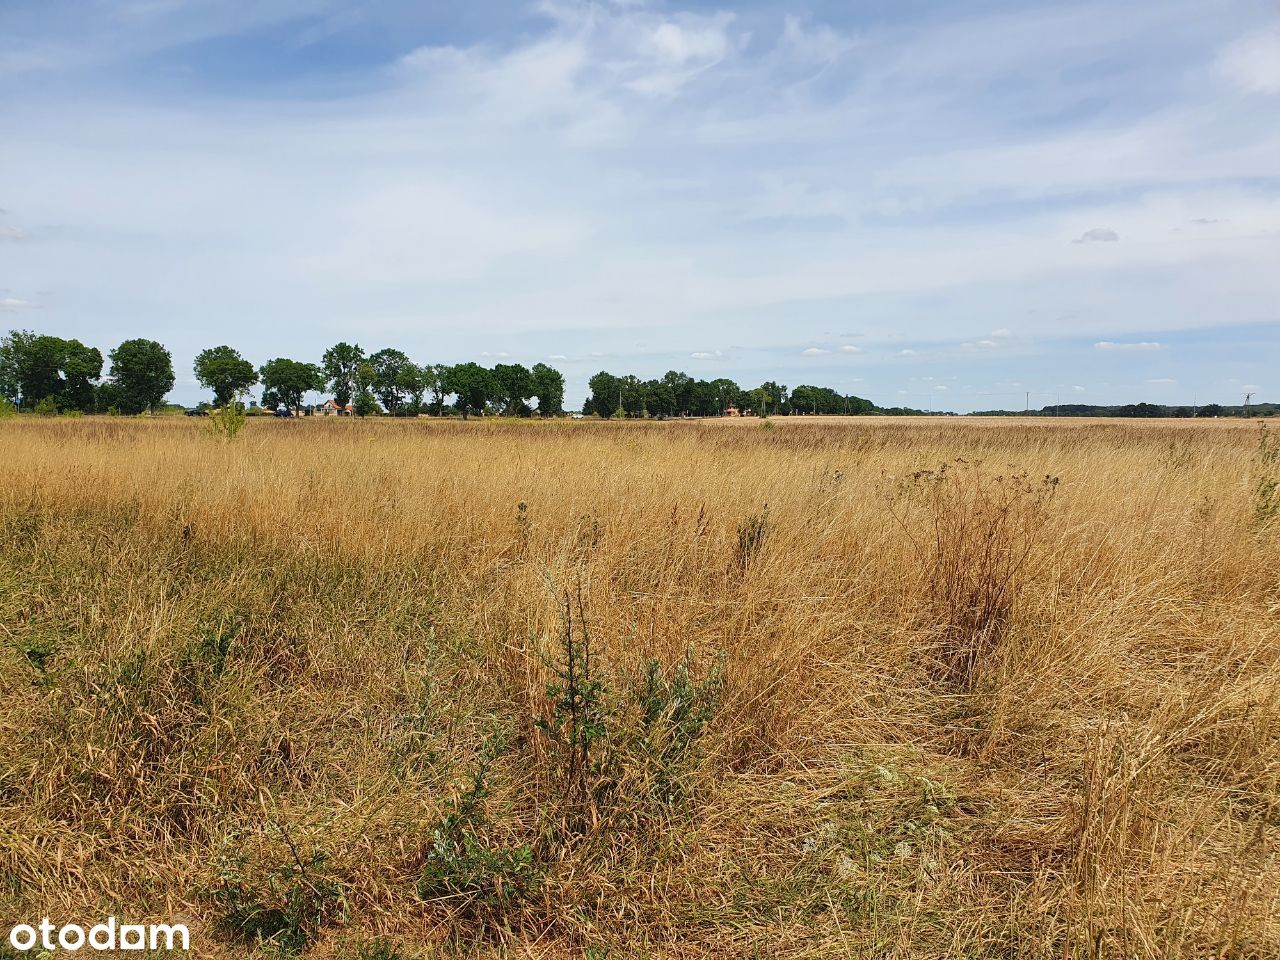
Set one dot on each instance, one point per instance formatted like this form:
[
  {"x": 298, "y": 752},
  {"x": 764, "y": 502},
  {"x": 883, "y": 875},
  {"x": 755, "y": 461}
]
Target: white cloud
[
  {"x": 850, "y": 348},
  {"x": 1252, "y": 63},
  {"x": 1001, "y": 333},
  {"x": 14, "y": 304},
  {"x": 815, "y": 352},
  {"x": 1162, "y": 380},
  {"x": 1113, "y": 345},
  {"x": 1078, "y": 389},
  {"x": 706, "y": 355},
  {"x": 820, "y": 44},
  {"x": 557, "y": 356},
  {"x": 1098, "y": 235},
  {"x": 906, "y": 353},
  {"x": 12, "y": 233}
]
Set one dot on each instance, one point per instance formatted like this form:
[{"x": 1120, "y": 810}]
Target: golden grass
[{"x": 961, "y": 713}]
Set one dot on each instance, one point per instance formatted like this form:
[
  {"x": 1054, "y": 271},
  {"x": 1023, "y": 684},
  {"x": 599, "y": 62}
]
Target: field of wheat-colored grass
[{"x": 816, "y": 688}]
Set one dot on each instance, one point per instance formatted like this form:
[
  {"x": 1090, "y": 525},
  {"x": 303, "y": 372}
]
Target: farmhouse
[{"x": 331, "y": 408}]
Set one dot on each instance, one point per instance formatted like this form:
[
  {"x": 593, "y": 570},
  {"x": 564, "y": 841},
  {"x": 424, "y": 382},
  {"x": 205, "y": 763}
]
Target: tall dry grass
[{"x": 310, "y": 687}]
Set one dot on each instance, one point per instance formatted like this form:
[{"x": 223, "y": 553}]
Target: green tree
[
  {"x": 340, "y": 363},
  {"x": 548, "y": 387},
  {"x": 606, "y": 391},
  {"x": 388, "y": 368},
  {"x": 472, "y": 386},
  {"x": 660, "y": 398},
  {"x": 633, "y": 395},
  {"x": 515, "y": 386},
  {"x": 10, "y": 388},
  {"x": 414, "y": 380},
  {"x": 436, "y": 374},
  {"x": 142, "y": 371},
  {"x": 287, "y": 381},
  {"x": 682, "y": 388},
  {"x": 774, "y": 397},
  {"x": 225, "y": 372},
  {"x": 365, "y": 404},
  {"x": 36, "y": 366},
  {"x": 81, "y": 370},
  {"x": 724, "y": 393}
]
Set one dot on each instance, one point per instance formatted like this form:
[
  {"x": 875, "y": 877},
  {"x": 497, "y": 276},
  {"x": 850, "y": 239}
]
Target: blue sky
[{"x": 938, "y": 204}]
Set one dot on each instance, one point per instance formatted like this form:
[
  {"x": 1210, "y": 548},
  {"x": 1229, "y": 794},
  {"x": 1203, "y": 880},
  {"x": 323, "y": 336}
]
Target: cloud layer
[{"x": 572, "y": 179}]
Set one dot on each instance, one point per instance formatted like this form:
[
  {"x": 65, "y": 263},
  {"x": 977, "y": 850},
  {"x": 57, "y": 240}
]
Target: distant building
[
  {"x": 331, "y": 408},
  {"x": 732, "y": 410}
]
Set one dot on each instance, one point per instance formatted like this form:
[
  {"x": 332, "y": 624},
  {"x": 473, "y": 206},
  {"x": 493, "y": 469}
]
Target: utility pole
[
  {"x": 1247, "y": 398},
  {"x": 1028, "y": 410}
]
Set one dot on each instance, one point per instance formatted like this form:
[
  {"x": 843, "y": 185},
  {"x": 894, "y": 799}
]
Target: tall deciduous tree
[
  {"x": 436, "y": 374},
  {"x": 340, "y": 364},
  {"x": 225, "y": 372},
  {"x": 606, "y": 391},
  {"x": 515, "y": 385},
  {"x": 413, "y": 381},
  {"x": 548, "y": 387},
  {"x": 472, "y": 386},
  {"x": 141, "y": 373},
  {"x": 389, "y": 368},
  {"x": 36, "y": 366},
  {"x": 287, "y": 381},
  {"x": 365, "y": 404}
]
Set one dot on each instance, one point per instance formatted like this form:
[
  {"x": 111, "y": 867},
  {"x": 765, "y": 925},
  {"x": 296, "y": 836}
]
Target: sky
[{"x": 942, "y": 205}]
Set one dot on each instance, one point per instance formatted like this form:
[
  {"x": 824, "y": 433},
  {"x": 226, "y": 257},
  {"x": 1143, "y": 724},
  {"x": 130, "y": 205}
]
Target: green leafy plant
[
  {"x": 576, "y": 722},
  {"x": 48, "y": 407},
  {"x": 675, "y": 709},
  {"x": 7, "y": 408},
  {"x": 227, "y": 421},
  {"x": 285, "y": 907},
  {"x": 463, "y": 866}
]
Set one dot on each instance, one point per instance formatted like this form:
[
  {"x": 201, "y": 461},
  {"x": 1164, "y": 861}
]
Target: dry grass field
[{"x": 396, "y": 689}]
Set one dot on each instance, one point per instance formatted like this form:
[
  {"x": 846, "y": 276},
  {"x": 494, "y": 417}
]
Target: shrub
[
  {"x": 7, "y": 408},
  {"x": 675, "y": 709},
  {"x": 48, "y": 407},
  {"x": 576, "y": 722},
  {"x": 285, "y": 906},
  {"x": 226, "y": 422},
  {"x": 462, "y": 865}
]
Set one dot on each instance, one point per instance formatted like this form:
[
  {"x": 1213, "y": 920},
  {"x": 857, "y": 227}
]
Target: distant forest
[{"x": 1138, "y": 410}]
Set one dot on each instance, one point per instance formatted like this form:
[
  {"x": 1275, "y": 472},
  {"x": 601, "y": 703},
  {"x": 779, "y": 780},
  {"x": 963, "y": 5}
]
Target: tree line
[
  {"x": 1143, "y": 410},
  {"x": 64, "y": 375},
  {"x": 61, "y": 375},
  {"x": 57, "y": 375},
  {"x": 678, "y": 394}
]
